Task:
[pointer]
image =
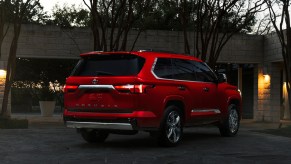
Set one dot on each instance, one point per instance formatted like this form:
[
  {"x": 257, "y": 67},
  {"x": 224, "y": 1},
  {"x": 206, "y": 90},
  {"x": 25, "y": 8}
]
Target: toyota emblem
[{"x": 94, "y": 81}]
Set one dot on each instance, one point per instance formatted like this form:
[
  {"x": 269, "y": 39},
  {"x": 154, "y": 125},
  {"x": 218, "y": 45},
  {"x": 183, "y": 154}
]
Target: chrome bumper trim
[{"x": 99, "y": 125}]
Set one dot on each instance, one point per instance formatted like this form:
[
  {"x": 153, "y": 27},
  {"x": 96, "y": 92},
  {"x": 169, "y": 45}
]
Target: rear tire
[
  {"x": 171, "y": 129},
  {"x": 229, "y": 127},
  {"x": 94, "y": 136}
]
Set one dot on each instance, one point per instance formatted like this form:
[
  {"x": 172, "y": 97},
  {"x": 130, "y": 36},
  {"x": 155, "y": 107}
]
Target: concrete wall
[
  {"x": 50, "y": 42},
  {"x": 53, "y": 42},
  {"x": 267, "y": 106},
  {"x": 243, "y": 49},
  {"x": 276, "y": 85},
  {"x": 240, "y": 49},
  {"x": 272, "y": 48},
  {"x": 264, "y": 96}
]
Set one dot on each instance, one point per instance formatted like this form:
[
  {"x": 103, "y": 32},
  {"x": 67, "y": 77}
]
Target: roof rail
[{"x": 156, "y": 50}]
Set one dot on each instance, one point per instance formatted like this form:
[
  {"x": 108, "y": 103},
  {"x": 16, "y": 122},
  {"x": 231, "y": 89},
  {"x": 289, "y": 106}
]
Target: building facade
[{"x": 254, "y": 62}]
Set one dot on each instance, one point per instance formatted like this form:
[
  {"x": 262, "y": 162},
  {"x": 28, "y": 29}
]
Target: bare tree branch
[{"x": 283, "y": 35}]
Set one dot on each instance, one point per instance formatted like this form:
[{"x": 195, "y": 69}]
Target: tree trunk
[
  {"x": 10, "y": 70},
  {"x": 186, "y": 43},
  {"x": 184, "y": 22},
  {"x": 94, "y": 26},
  {"x": 288, "y": 54},
  {"x": 3, "y": 21}
]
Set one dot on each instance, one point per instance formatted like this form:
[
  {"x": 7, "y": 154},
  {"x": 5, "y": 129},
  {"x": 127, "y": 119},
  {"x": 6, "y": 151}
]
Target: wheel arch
[{"x": 179, "y": 104}]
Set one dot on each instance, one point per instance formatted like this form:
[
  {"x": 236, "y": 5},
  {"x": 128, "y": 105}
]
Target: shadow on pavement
[{"x": 144, "y": 140}]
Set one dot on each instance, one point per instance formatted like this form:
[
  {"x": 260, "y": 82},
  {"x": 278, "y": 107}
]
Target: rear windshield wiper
[{"x": 103, "y": 73}]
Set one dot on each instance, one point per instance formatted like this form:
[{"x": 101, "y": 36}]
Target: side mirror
[{"x": 222, "y": 78}]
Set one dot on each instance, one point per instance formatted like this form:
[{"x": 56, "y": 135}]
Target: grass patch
[
  {"x": 285, "y": 132},
  {"x": 13, "y": 123}
]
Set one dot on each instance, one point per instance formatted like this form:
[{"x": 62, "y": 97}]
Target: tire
[
  {"x": 171, "y": 128},
  {"x": 229, "y": 127},
  {"x": 94, "y": 136}
]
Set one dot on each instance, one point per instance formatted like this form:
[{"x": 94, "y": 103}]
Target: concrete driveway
[{"x": 199, "y": 145}]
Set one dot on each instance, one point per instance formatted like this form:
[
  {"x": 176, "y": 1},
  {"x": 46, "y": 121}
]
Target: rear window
[{"x": 109, "y": 65}]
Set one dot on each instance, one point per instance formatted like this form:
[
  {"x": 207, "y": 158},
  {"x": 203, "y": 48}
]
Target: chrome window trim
[{"x": 154, "y": 65}]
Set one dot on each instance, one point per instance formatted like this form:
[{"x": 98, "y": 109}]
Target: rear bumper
[
  {"x": 99, "y": 125},
  {"x": 111, "y": 121}
]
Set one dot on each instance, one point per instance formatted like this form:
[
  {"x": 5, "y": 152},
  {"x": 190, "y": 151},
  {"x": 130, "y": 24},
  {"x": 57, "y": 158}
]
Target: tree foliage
[
  {"x": 163, "y": 16},
  {"x": 216, "y": 21},
  {"x": 113, "y": 19},
  {"x": 263, "y": 26},
  {"x": 8, "y": 13},
  {"x": 10, "y": 9},
  {"x": 69, "y": 16},
  {"x": 18, "y": 12}
]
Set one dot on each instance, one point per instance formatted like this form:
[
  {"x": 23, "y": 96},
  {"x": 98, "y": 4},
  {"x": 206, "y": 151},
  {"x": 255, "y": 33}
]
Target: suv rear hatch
[{"x": 104, "y": 83}]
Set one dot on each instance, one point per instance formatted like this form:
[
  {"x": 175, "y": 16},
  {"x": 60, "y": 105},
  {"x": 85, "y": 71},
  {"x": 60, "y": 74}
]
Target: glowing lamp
[
  {"x": 267, "y": 78},
  {"x": 2, "y": 74}
]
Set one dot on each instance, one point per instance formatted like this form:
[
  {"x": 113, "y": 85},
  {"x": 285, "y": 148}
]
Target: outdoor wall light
[
  {"x": 266, "y": 74},
  {"x": 267, "y": 78},
  {"x": 265, "y": 70},
  {"x": 2, "y": 73}
]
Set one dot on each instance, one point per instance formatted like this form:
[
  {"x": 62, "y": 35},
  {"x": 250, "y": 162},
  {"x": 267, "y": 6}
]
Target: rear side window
[
  {"x": 109, "y": 65},
  {"x": 163, "y": 68},
  {"x": 184, "y": 70},
  {"x": 181, "y": 69},
  {"x": 174, "y": 69}
]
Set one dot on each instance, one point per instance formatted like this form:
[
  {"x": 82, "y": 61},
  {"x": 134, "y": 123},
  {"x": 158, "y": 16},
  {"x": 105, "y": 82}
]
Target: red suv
[{"x": 157, "y": 92}]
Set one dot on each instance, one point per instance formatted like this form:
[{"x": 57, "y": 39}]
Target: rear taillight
[
  {"x": 70, "y": 88},
  {"x": 133, "y": 88}
]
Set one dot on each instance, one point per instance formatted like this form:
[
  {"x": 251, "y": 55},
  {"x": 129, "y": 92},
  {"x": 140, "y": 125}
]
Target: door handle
[
  {"x": 206, "y": 89},
  {"x": 182, "y": 88}
]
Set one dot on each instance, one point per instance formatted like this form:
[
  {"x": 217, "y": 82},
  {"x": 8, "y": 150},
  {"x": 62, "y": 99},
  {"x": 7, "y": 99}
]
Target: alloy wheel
[
  {"x": 173, "y": 131},
  {"x": 233, "y": 120}
]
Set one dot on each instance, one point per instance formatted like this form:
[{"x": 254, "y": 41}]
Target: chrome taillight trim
[{"x": 96, "y": 87}]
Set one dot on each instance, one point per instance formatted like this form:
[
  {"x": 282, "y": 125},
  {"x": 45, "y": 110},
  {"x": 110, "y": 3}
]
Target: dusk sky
[{"x": 49, "y": 4}]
